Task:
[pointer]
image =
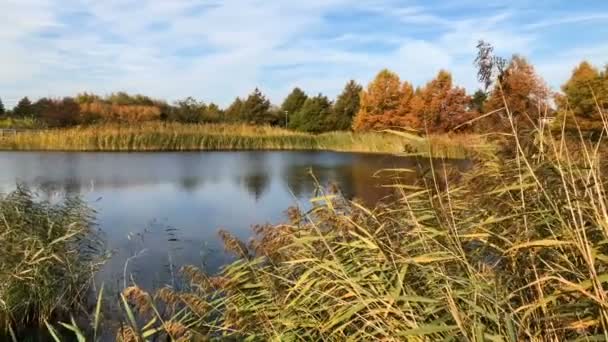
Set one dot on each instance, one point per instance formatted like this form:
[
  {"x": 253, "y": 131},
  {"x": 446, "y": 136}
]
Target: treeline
[{"x": 387, "y": 102}]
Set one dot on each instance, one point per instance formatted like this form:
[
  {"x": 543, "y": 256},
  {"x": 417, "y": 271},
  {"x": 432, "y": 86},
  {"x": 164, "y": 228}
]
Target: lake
[{"x": 160, "y": 211}]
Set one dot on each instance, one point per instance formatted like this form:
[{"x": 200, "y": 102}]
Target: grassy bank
[
  {"x": 180, "y": 137},
  {"x": 49, "y": 254}
]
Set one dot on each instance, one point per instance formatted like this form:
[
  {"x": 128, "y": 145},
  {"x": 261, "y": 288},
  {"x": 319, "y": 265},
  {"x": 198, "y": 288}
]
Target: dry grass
[{"x": 158, "y": 136}]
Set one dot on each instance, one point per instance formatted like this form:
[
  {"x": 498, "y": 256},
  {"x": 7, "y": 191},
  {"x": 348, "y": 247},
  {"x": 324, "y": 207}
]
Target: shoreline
[{"x": 162, "y": 137}]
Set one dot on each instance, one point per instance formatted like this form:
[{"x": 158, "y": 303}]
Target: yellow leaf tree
[
  {"x": 384, "y": 103},
  {"x": 523, "y": 91}
]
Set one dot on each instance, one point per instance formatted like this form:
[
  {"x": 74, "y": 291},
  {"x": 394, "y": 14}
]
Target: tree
[
  {"x": 346, "y": 107},
  {"x": 2, "y": 109},
  {"x": 58, "y": 113},
  {"x": 233, "y": 112},
  {"x": 584, "y": 92},
  {"x": 523, "y": 91},
  {"x": 24, "y": 108},
  {"x": 440, "y": 106},
  {"x": 213, "y": 113},
  {"x": 188, "y": 110},
  {"x": 313, "y": 115},
  {"x": 382, "y": 103},
  {"x": 256, "y": 109},
  {"x": 293, "y": 102},
  {"x": 478, "y": 101}
]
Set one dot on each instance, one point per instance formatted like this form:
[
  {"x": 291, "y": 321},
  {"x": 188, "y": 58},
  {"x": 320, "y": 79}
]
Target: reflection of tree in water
[
  {"x": 256, "y": 184},
  {"x": 190, "y": 183},
  {"x": 368, "y": 178},
  {"x": 256, "y": 175},
  {"x": 300, "y": 179},
  {"x": 190, "y": 177}
]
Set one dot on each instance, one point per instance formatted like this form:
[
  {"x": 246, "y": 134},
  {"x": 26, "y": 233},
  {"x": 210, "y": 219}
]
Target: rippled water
[{"x": 163, "y": 210}]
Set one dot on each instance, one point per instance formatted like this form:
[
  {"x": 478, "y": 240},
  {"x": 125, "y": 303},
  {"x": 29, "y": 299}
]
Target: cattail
[
  {"x": 233, "y": 244},
  {"x": 198, "y": 305},
  {"x": 139, "y": 298},
  {"x": 177, "y": 331},
  {"x": 126, "y": 334}
]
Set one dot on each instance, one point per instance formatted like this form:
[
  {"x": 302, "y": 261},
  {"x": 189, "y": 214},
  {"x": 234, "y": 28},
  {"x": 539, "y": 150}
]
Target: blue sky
[{"x": 215, "y": 50}]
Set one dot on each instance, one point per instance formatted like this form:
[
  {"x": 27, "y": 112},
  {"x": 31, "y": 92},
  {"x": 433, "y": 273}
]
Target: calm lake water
[{"x": 163, "y": 210}]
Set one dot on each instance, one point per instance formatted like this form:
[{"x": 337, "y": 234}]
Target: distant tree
[
  {"x": 346, "y": 107},
  {"x": 188, "y": 110},
  {"x": 256, "y": 109},
  {"x": 2, "y": 109},
  {"x": 58, "y": 113},
  {"x": 440, "y": 106},
  {"x": 313, "y": 115},
  {"x": 276, "y": 116},
  {"x": 23, "y": 108},
  {"x": 293, "y": 102},
  {"x": 524, "y": 92},
  {"x": 234, "y": 112},
  {"x": 490, "y": 68},
  {"x": 123, "y": 98},
  {"x": 83, "y": 98},
  {"x": 585, "y": 92},
  {"x": 382, "y": 103},
  {"x": 213, "y": 113},
  {"x": 478, "y": 100}
]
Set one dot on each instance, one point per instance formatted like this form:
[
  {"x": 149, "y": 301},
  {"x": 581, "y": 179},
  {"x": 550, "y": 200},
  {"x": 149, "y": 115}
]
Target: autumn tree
[
  {"x": 293, "y": 102},
  {"x": 233, "y": 112},
  {"x": 256, "y": 109},
  {"x": 346, "y": 107},
  {"x": 478, "y": 101},
  {"x": 58, "y": 112},
  {"x": 440, "y": 106},
  {"x": 213, "y": 113},
  {"x": 521, "y": 89},
  {"x": 313, "y": 115},
  {"x": 23, "y": 108},
  {"x": 188, "y": 110},
  {"x": 584, "y": 92},
  {"x": 382, "y": 103}
]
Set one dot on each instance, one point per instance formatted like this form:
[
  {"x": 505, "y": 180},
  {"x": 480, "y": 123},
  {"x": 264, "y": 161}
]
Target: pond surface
[{"x": 163, "y": 210}]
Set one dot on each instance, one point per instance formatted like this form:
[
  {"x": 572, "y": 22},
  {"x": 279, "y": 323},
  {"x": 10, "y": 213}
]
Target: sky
[{"x": 215, "y": 50}]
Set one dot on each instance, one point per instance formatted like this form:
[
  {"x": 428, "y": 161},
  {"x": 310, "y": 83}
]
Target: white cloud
[{"x": 218, "y": 49}]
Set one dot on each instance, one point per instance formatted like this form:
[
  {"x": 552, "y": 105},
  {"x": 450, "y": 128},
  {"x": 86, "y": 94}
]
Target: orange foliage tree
[
  {"x": 103, "y": 111},
  {"x": 585, "y": 92},
  {"x": 384, "y": 104},
  {"x": 440, "y": 106},
  {"x": 523, "y": 91}
]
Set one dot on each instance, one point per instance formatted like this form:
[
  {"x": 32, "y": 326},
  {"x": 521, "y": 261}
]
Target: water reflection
[{"x": 161, "y": 210}]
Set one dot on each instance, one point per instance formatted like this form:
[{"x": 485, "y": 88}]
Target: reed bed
[
  {"x": 158, "y": 136},
  {"x": 514, "y": 250},
  {"x": 48, "y": 255}
]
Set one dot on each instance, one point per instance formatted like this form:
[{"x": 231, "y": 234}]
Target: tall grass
[
  {"x": 158, "y": 136},
  {"x": 48, "y": 254},
  {"x": 514, "y": 250},
  {"x": 20, "y": 123}
]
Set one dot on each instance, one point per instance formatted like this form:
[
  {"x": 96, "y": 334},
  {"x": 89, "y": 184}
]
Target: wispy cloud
[
  {"x": 600, "y": 18},
  {"x": 218, "y": 49}
]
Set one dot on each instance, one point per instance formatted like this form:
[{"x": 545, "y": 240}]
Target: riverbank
[
  {"x": 514, "y": 250},
  {"x": 508, "y": 251},
  {"x": 203, "y": 137}
]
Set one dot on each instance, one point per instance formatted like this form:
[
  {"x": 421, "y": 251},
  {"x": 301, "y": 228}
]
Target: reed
[
  {"x": 513, "y": 250},
  {"x": 157, "y": 136},
  {"x": 49, "y": 253}
]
